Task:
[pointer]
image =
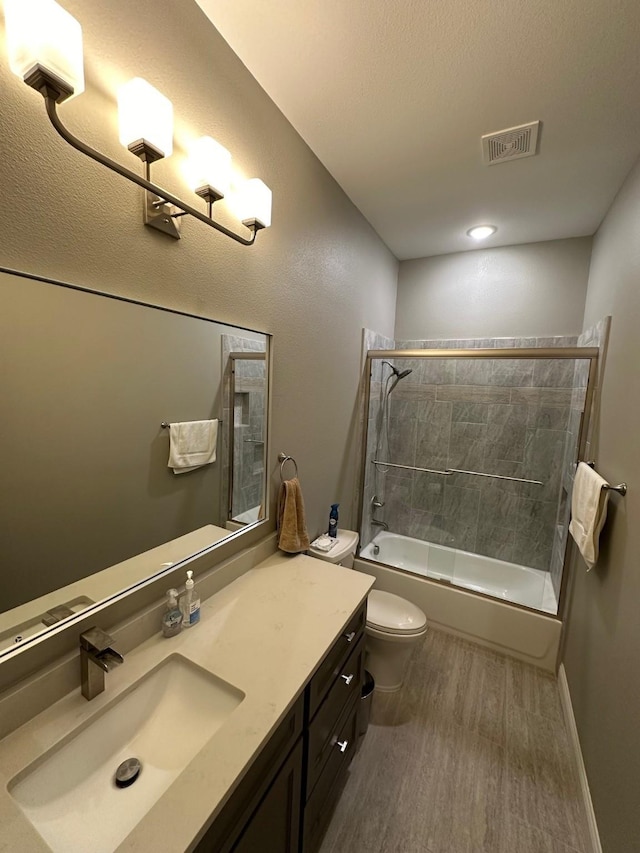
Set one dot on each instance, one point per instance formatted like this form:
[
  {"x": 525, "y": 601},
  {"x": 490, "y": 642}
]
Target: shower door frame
[{"x": 587, "y": 353}]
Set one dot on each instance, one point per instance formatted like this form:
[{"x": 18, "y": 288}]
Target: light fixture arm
[{"x": 51, "y": 97}]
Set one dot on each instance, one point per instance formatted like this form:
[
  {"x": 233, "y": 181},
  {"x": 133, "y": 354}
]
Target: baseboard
[{"x": 570, "y": 720}]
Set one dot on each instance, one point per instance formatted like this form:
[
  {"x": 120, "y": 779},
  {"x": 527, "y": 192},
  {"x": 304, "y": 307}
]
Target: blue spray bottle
[{"x": 333, "y": 521}]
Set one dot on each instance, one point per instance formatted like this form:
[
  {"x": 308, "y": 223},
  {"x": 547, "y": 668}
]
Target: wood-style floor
[{"x": 471, "y": 756}]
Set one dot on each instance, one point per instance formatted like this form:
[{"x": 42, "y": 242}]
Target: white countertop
[{"x": 265, "y": 634}]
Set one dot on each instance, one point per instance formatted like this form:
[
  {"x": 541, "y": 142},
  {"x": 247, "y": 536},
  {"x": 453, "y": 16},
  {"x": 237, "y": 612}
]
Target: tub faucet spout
[{"x": 382, "y": 524}]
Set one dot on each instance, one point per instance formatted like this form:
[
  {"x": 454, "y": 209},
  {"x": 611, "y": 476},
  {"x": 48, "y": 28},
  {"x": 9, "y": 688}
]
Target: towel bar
[
  {"x": 166, "y": 425},
  {"x": 283, "y": 459},
  {"x": 621, "y": 488}
]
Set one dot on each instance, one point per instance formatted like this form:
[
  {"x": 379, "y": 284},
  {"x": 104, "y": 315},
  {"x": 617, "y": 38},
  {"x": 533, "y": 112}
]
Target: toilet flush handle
[
  {"x": 349, "y": 637},
  {"x": 347, "y": 678},
  {"x": 343, "y": 744}
]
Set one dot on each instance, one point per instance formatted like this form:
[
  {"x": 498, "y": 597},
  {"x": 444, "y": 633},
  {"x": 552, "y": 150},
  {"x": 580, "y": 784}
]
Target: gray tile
[
  {"x": 402, "y": 441},
  {"x": 541, "y": 396},
  {"x": 437, "y": 371},
  {"x": 467, "y": 446},
  {"x": 506, "y": 433},
  {"x": 460, "y": 522},
  {"x": 473, "y": 371},
  {"x": 470, "y": 413},
  {"x": 558, "y": 341},
  {"x": 474, "y": 394},
  {"x": 408, "y": 390},
  {"x": 428, "y": 492},
  {"x": 512, "y": 371},
  {"x": 498, "y": 508},
  {"x": 427, "y": 526},
  {"x": 547, "y": 417},
  {"x": 493, "y": 541},
  {"x": 459, "y": 533},
  {"x": 462, "y": 503},
  {"x": 553, "y": 372},
  {"x": 544, "y": 454},
  {"x": 433, "y": 435},
  {"x": 534, "y": 553}
]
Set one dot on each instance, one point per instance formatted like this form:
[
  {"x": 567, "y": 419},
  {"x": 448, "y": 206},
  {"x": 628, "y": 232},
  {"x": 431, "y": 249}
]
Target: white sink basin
[{"x": 70, "y": 795}]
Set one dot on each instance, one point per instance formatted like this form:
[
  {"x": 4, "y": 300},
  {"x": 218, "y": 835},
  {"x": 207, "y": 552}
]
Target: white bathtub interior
[{"x": 506, "y": 581}]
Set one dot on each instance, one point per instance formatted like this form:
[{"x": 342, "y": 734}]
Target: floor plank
[{"x": 471, "y": 756}]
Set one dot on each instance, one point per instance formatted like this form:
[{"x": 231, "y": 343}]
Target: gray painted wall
[
  {"x": 313, "y": 280},
  {"x": 532, "y": 290},
  {"x": 603, "y": 635}
]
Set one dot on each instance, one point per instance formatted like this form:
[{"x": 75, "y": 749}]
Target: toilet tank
[{"x": 342, "y": 553}]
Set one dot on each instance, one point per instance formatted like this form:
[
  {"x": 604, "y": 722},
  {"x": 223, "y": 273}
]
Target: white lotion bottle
[{"x": 190, "y": 603}]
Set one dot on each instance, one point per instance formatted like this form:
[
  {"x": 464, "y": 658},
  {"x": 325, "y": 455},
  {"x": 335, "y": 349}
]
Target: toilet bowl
[{"x": 394, "y": 625}]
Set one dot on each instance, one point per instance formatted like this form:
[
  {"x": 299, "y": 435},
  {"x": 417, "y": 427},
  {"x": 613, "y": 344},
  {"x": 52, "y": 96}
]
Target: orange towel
[{"x": 292, "y": 525}]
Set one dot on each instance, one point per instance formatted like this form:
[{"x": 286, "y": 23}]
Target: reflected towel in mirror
[
  {"x": 292, "y": 526},
  {"x": 192, "y": 445},
  {"x": 588, "y": 511}
]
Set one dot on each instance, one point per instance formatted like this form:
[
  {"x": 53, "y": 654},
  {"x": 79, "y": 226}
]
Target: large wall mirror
[{"x": 89, "y": 505}]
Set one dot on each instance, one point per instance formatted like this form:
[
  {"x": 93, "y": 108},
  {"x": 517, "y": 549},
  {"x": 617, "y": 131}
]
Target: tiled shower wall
[
  {"x": 247, "y": 413},
  {"x": 507, "y": 417}
]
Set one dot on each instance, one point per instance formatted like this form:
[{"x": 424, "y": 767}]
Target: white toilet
[{"x": 394, "y": 625}]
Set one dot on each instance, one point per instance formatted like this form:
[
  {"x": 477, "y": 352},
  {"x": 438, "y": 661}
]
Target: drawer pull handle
[
  {"x": 347, "y": 678},
  {"x": 343, "y": 744},
  {"x": 349, "y": 637}
]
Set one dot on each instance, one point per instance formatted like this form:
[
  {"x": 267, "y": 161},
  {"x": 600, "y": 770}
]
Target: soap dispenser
[
  {"x": 172, "y": 616},
  {"x": 190, "y": 603}
]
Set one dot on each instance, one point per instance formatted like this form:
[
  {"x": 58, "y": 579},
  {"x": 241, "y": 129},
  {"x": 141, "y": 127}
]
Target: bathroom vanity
[{"x": 281, "y": 651}]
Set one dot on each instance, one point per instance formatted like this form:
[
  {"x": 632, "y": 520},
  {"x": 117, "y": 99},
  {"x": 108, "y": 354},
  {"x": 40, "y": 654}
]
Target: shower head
[{"x": 399, "y": 374}]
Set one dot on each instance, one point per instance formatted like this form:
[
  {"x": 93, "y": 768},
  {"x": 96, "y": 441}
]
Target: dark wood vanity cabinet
[{"x": 285, "y": 801}]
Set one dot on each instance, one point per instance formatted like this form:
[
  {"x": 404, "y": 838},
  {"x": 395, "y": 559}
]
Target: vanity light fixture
[
  {"x": 45, "y": 50},
  {"x": 481, "y": 232}
]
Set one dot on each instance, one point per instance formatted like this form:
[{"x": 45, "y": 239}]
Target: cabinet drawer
[
  {"x": 323, "y": 730},
  {"x": 320, "y": 805},
  {"x": 332, "y": 665}
]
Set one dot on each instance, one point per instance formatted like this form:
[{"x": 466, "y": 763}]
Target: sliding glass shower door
[{"x": 469, "y": 463}]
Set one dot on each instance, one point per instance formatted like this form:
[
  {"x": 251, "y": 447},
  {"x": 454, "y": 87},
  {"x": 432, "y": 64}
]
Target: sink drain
[{"x": 128, "y": 772}]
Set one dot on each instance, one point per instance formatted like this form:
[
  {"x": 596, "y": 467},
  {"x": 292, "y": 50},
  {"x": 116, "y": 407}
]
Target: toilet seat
[{"x": 389, "y": 614}]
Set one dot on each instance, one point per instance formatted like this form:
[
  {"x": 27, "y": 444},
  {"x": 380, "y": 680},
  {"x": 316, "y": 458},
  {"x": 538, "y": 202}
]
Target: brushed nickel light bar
[{"x": 45, "y": 50}]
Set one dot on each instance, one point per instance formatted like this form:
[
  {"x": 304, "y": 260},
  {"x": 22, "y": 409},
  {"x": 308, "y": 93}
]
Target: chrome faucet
[
  {"x": 382, "y": 524},
  {"x": 96, "y": 658}
]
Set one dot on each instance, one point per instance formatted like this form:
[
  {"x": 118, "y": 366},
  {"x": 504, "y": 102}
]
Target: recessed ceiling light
[{"x": 481, "y": 232}]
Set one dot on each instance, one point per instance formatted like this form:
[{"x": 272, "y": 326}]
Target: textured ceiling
[{"x": 394, "y": 95}]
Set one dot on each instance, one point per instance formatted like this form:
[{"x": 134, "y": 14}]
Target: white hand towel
[
  {"x": 192, "y": 445},
  {"x": 588, "y": 511}
]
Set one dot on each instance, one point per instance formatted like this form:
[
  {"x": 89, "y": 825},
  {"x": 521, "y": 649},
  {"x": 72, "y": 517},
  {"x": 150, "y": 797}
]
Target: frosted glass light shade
[
  {"x": 42, "y": 33},
  {"x": 254, "y": 203},
  {"x": 210, "y": 165},
  {"x": 145, "y": 114}
]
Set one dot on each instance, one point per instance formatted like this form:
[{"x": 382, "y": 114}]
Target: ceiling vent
[{"x": 510, "y": 144}]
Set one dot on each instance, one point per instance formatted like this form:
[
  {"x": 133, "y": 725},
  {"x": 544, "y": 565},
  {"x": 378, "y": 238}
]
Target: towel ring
[{"x": 283, "y": 459}]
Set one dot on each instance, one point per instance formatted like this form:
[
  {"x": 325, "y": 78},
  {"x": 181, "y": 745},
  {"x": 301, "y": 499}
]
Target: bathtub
[{"x": 497, "y": 578}]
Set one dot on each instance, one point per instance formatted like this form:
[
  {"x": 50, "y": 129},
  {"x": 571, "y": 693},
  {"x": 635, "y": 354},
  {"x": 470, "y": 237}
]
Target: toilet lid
[{"x": 393, "y": 614}]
